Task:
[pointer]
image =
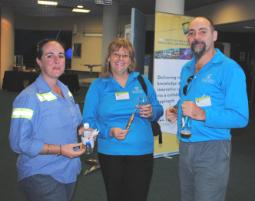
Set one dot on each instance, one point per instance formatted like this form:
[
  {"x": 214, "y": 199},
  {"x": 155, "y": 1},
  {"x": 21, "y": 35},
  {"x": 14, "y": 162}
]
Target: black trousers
[{"x": 127, "y": 178}]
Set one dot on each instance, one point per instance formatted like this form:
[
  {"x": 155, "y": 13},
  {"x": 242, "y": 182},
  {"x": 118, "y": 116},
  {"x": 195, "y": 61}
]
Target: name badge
[
  {"x": 122, "y": 96},
  {"x": 203, "y": 101}
]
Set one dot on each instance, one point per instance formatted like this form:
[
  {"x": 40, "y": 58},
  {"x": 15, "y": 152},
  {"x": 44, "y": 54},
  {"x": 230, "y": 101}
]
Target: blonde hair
[{"x": 114, "y": 46}]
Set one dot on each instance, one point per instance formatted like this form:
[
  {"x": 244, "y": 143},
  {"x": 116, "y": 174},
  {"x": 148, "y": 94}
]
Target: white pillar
[
  {"x": 110, "y": 26},
  {"x": 170, "y": 6}
]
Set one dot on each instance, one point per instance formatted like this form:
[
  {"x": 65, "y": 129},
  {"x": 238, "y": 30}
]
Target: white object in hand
[{"x": 89, "y": 137}]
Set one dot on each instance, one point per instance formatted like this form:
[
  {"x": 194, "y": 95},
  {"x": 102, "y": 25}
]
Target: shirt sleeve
[
  {"x": 22, "y": 130},
  {"x": 157, "y": 109},
  {"x": 235, "y": 112},
  {"x": 90, "y": 109}
]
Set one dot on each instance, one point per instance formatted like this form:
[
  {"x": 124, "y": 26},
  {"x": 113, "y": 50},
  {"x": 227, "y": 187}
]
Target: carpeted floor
[{"x": 165, "y": 184}]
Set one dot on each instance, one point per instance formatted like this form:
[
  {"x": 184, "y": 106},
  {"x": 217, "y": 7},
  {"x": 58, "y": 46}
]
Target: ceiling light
[
  {"x": 93, "y": 34},
  {"x": 48, "y": 3},
  {"x": 104, "y": 2},
  {"x": 249, "y": 27},
  {"x": 79, "y": 10},
  {"x": 80, "y": 6}
]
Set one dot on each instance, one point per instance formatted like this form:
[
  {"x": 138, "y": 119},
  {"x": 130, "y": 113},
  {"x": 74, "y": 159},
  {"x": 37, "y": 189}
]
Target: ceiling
[
  {"x": 31, "y": 8},
  {"x": 240, "y": 27}
]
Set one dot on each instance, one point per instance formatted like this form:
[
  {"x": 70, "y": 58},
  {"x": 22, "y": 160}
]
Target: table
[
  {"x": 18, "y": 80},
  {"x": 91, "y": 66}
]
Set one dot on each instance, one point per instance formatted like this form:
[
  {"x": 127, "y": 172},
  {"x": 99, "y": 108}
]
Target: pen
[{"x": 131, "y": 119}]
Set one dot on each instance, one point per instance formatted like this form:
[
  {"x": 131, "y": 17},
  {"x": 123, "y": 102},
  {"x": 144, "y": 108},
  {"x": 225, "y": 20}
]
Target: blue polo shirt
[
  {"x": 106, "y": 108},
  {"x": 219, "y": 88}
]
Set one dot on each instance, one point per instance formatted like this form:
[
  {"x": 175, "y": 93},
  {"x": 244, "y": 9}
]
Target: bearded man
[{"x": 213, "y": 99}]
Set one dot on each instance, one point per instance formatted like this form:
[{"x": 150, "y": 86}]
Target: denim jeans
[
  {"x": 204, "y": 170},
  {"x": 46, "y": 188}
]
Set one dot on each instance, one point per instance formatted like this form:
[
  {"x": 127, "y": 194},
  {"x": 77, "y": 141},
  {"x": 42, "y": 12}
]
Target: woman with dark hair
[
  {"x": 44, "y": 131},
  {"x": 125, "y": 142}
]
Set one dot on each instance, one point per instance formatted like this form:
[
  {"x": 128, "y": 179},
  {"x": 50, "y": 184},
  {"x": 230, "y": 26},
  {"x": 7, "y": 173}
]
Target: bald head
[{"x": 203, "y": 20}]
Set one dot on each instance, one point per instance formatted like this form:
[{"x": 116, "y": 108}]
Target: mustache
[
  {"x": 198, "y": 52},
  {"x": 197, "y": 42}
]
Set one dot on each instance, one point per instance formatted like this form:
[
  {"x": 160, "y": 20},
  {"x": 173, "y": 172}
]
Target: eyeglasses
[
  {"x": 118, "y": 56},
  {"x": 185, "y": 88}
]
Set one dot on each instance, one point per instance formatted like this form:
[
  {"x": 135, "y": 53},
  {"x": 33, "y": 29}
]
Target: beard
[{"x": 198, "y": 48}]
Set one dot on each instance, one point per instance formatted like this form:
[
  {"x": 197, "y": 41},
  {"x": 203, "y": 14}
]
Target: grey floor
[{"x": 165, "y": 184}]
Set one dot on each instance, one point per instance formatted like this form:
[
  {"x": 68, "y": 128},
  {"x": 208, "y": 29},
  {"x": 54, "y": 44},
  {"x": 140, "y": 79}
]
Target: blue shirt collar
[
  {"x": 217, "y": 58},
  {"x": 132, "y": 75},
  {"x": 43, "y": 87}
]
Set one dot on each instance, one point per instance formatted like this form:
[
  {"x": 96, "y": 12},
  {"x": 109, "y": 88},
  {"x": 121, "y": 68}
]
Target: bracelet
[
  {"x": 48, "y": 149},
  {"x": 60, "y": 150}
]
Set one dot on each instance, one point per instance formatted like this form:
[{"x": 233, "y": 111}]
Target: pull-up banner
[{"x": 171, "y": 52}]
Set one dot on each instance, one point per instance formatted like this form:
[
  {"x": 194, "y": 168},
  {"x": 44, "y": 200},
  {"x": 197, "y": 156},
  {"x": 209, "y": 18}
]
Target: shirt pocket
[{"x": 53, "y": 115}]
